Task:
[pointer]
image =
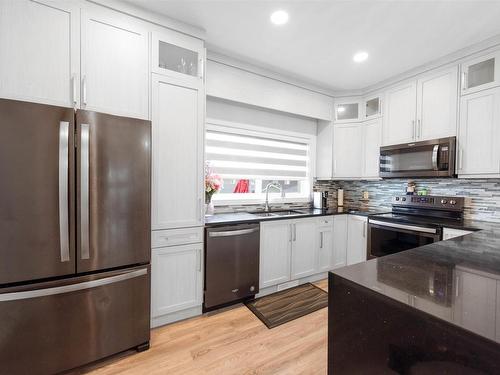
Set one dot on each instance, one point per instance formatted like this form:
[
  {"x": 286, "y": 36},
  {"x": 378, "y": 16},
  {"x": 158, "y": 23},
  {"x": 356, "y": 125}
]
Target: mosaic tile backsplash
[{"x": 483, "y": 203}]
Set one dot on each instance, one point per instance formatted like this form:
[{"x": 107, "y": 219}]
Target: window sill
[{"x": 258, "y": 201}]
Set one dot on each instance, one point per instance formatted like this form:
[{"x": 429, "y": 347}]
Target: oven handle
[
  {"x": 231, "y": 233},
  {"x": 402, "y": 226},
  {"x": 435, "y": 151}
]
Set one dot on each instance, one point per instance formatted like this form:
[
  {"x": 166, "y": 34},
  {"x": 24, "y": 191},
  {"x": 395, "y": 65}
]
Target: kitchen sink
[{"x": 278, "y": 213}]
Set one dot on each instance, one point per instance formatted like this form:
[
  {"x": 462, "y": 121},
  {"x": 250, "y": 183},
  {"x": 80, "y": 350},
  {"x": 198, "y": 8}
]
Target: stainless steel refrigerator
[{"x": 74, "y": 236}]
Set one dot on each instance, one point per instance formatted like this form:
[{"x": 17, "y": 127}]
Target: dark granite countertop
[
  {"x": 252, "y": 217},
  {"x": 457, "y": 280}
]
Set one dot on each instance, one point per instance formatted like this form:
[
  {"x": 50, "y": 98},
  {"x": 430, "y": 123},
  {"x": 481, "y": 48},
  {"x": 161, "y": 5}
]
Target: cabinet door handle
[
  {"x": 294, "y": 232},
  {"x": 364, "y": 229},
  {"x": 84, "y": 90},
  {"x": 202, "y": 69},
  {"x": 290, "y": 227},
  {"x": 464, "y": 81},
  {"x": 199, "y": 260},
  {"x": 457, "y": 280},
  {"x": 320, "y": 240},
  {"x": 414, "y": 129},
  {"x": 460, "y": 158},
  {"x": 419, "y": 129},
  {"x": 199, "y": 210},
  {"x": 73, "y": 87}
]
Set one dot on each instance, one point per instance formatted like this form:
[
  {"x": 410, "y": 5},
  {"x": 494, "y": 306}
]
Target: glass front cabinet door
[
  {"x": 348, "y": 111},
  {"x": 481, "y": 73},
  {"x": 373, "y": 107},
  {"x": 179, "y": 56}
]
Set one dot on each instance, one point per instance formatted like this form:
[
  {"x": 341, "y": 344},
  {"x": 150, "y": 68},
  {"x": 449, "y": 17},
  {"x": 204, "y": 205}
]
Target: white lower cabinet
[
  {"x": 176, "y": 281},
  {"x": 304, "y": 248},
  {"x": 339, "y": 241},
  {"x": 452, "y": 233},
  {"x": 356, "y": 239},
  {"x": 475, "y": 302},
  {"x": 275, "y": 252},
  {"x": 295, "y": 249}
]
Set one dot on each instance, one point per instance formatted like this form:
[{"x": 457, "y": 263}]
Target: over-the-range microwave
[{"x": 434, "y": 158}]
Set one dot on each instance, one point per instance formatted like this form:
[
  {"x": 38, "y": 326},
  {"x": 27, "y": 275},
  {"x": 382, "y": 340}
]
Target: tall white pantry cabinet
[{"x": 178, "y": 115}]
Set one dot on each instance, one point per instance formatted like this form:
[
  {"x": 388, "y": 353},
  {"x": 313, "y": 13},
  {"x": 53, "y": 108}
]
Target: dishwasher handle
[{"x": 231, "y": 233}]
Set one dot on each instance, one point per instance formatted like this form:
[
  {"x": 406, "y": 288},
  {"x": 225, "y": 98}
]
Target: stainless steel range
[{"x": 414, "y": 221}]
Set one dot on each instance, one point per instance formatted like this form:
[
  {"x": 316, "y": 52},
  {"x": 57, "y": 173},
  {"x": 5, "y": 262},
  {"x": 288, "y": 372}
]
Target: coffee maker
[{"x": 320, "y": 200}]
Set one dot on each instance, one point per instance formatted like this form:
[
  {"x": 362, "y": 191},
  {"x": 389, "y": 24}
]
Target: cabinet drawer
[
  {"x": 325, "y": 221},
  {"x": 173, "y": 237}
]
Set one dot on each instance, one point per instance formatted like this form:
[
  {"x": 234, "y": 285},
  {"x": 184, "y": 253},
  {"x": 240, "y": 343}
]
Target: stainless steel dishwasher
[{"x": 231, "y": 264}]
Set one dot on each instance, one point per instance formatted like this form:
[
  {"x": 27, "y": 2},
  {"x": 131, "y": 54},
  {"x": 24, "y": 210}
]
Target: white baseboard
[
  {"x": 175, "y": 316},
  {"x": 290, "y": 284}
]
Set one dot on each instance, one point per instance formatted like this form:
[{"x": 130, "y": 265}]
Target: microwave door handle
[{"x": 435, "y": 152}]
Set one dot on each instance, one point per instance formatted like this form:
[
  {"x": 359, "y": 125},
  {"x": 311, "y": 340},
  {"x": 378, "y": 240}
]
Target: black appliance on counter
[
  {"x": 75, "y": 236},
  {"x": 434, "y": 158},
  {"x": 414, "y": 221},
  {"x": 231, "y": 264}
]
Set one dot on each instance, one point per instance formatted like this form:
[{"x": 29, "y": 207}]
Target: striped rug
[{"x": 289, "y": 304}]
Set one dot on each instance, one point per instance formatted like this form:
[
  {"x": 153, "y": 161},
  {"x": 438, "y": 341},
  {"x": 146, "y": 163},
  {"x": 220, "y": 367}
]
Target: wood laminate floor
[{"x": 230, "y": 342}]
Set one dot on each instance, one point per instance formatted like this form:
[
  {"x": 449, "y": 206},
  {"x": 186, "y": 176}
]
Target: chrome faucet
[{"x": 275, "y": 185}]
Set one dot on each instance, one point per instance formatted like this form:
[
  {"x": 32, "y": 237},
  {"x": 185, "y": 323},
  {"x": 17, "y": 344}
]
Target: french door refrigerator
[{"x": 74, "y": 236}]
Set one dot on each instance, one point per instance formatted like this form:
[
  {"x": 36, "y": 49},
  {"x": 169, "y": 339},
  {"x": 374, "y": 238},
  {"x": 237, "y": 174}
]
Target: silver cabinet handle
[
  {"x": 414, "y": 129},
  {"x": 419, "y": 129},
  {"x": 231, "y": 233},
  {"x": 202, "y": 69},
  {"x": 71, "y": 287},
  {"x": 294, "y": 232},
  {"x": 379, "y": 106},
  {"x": 320, "y": 240},
  {"x": 84, "y": 90},
  {"x": 63, "y": 190},
  {"x": 199, "y": 261},
  {"x": 464, "y": 81},
  {"x": 460, "y": 158},
  {"x": 84, "y": 190},
  {"x": 364, "y": 229},
  {"x": 199, "y": 210},
  {"x": 290, "y": 227},
  {"x": 457, "y": 280},
  {"x": 73, "y": 86}
]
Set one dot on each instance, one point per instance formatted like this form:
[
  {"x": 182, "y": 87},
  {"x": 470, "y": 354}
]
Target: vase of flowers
[{"x": 213, "y": 184}]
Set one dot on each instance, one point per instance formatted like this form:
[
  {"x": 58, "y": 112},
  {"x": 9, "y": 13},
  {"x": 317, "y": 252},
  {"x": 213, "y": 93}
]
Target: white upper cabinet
[
  {"x": 400, "y": 109},
  {"x": 480, "y": 73},
  {"x": 437, "y": 100},
  {"x": 348, "y": 110},
  {"x": 372, "y": 107},
  {"x": 347, "y": 151},
  {"x": 114, "y": 64},
  {"x": 178, "y": 114},
  {"x": 324, "y": 150},
  {"x": 479, "y": 133},
  {"x": 39, "y": 51},
  {"x": 372, "y": 139},
  {"x": 179, "y": 56}
]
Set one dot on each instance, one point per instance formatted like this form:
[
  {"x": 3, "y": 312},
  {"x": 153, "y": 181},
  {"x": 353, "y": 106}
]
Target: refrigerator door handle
[
  {"x": 63, "y": 190},
  {"x": 84, "y": 190},
  {"x": 28, "y": 294}
]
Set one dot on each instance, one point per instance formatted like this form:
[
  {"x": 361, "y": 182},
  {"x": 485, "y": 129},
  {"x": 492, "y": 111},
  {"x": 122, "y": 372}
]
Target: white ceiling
[{"x": 321, "y": 37}]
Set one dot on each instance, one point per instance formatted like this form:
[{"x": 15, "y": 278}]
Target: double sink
[{"x": 278, "y": 213}]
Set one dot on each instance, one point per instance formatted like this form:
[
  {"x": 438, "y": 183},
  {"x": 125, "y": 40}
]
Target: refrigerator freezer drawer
[{"x": 55, "y": 326}]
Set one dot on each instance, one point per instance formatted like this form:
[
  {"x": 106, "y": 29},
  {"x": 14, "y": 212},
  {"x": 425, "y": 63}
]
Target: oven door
[
  {"x": 434, "y": 158},
  {"x": 385, "y": 238}
]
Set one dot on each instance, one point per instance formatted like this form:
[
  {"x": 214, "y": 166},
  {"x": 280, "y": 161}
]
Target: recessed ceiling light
[
  {"x": 360, "y": 56},
  {"x": 280, "y": 17}
]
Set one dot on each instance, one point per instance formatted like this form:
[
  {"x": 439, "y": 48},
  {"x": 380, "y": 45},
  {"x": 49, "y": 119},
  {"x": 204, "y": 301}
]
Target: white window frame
[{"x": 259, "y": 131}]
